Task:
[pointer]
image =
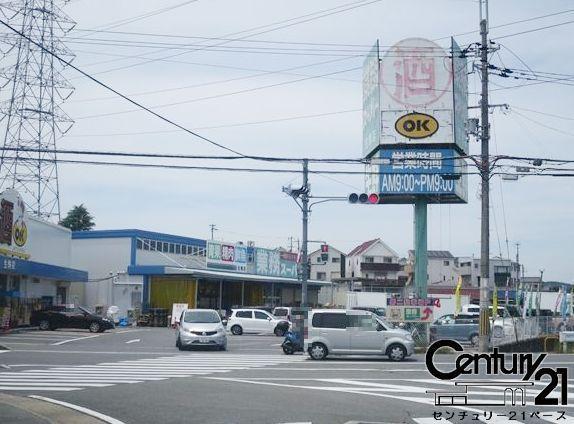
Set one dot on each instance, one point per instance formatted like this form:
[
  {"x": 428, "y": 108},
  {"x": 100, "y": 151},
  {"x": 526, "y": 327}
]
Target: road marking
[
  {"x": 4, "y": 351},
  {"x": 76, "y": 339},
  {"x": 98, "y": 415},
  {"x": 132, "y": 371},
  {"x": 127, "y": 331},
  {"x": 133, "y": 341}
]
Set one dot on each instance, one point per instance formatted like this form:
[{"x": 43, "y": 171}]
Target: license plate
[{"x": 203, "y": 340}]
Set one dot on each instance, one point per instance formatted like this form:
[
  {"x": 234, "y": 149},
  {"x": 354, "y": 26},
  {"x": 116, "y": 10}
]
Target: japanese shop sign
[
  {"x": 428, "y": 301},
  {"x": 274, "y": 263},
  {"x": 403, "y": 173},
  {"x": 409, "y": 313},
  {"x": 226, "y": 256},
  {"x": 13, "y": 225}
]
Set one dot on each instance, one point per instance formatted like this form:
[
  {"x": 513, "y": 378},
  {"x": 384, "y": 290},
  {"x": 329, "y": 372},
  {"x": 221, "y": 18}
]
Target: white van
[{"x": 355, "y": 332}]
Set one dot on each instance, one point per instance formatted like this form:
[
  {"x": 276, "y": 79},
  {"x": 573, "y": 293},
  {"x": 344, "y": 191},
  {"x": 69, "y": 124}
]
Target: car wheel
[
  {"x": 318, "y": 351},
  {"x": 44, "y": 325},
  {"x": 279, "y": 332},
  {"x": 474, "y": 340},
  {"x": 95, "y": 327},
  {"x": 236, "y": 330},
  {"x": 497, "y": 332},
  {"x": 396, "y": 352},
  {"x": 288, "y": 349}
]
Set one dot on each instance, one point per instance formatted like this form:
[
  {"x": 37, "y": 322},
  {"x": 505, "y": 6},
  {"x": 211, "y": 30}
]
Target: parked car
[
  {"x": 352, "y": 332},
  {"x": 80, "y": 317},
  {"x": 200, "y": 327},
  {"x": 256, "y": 321},
  {"x": 380, "y": 312},
  {"x": 462, "y": 328},
  {"x": 282, "y": 312}
]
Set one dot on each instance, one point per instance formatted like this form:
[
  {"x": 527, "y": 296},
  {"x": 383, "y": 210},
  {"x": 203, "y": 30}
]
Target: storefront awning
[
  {"x": 214, "y": 275},
  {"x": 11, "y": 265}
]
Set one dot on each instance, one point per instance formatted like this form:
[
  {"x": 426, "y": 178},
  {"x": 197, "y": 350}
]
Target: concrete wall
[{"x": 101, "y": 258}]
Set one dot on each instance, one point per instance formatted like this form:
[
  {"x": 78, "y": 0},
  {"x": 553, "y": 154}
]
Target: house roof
[
  {"x": 436, "y": 254},
  {"x": 331, "y": 249},
  {"x": 362, "y": 247}
]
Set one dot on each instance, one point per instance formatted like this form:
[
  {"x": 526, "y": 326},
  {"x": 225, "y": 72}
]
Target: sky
[{"x": 311, "y": 98}]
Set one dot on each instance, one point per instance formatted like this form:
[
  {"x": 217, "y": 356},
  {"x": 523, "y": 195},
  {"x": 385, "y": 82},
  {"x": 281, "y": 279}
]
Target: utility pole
[
  {"x": 290, "y": 244},
  {"x": 303, "y": 193},
  {"x": 305, "y": 208},
  {"x": 517, "y": 262},
  {"x": 484, "y": 326},
  {"x": 212, "y": 228}
]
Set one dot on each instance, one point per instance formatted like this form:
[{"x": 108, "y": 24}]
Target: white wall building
[
  {"x": 442, "y": 267},
  {"x": 327, "y": 264}
]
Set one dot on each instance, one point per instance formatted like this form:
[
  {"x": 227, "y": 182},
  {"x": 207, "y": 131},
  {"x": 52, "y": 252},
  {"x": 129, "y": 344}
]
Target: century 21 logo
[
  {"x": 416, "y": 125},
  {"x": 495, "y": 363}
]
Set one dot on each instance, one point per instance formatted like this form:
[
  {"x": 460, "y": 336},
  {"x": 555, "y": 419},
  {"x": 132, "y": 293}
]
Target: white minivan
[
  {"x": 256, "y": 321},
  {"x": 354, "y": 332}
]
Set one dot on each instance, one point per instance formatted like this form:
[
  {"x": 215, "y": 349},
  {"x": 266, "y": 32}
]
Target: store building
[
  {"x": 136, "y": 269},
  {"x": 35, "y": 264}
]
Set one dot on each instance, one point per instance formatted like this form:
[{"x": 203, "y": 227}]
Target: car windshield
[
  {"x": 388, "y": 325},
  {"x": 204, "y": 317},
  {"x": 280, "y": 312},
  {"x": 85, "y": 310}
]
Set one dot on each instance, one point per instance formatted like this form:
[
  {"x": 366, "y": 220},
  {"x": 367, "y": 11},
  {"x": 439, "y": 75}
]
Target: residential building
[
  {"x": 327, "y": 263},
  {"x": 442, "y": 269},
  {"x": 374, "y": 266}
]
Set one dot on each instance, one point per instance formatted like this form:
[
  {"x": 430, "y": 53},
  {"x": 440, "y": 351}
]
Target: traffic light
[{"x": 366, "y": 199}]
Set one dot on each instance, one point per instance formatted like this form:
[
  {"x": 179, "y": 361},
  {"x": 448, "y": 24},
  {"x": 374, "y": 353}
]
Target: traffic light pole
[
  {"x": 484, "y": 326},
  {"x": 305, "y": 209}
]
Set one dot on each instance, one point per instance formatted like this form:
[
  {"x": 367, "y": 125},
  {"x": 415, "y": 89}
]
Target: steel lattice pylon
[{"x": 32, "y": 89}]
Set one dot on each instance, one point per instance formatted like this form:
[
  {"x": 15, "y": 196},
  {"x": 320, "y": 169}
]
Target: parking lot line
[{"x": 90, "y": 412}]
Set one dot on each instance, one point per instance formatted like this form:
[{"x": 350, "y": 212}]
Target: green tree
[{"x": 78, "y": 219}]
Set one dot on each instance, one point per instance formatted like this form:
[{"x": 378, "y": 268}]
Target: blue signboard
[{"x": 407, "y": 172}]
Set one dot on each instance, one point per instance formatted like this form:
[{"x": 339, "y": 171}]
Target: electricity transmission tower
[{"x": 32, "y": 89}]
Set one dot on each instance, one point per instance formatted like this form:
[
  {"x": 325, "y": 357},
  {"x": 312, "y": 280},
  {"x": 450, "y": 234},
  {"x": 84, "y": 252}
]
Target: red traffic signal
[
  {"x": 325, "y": 248},
  {"x": 366, "y": 199}
]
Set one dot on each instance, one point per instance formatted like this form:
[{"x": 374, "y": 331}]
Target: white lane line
[
  {"x": 127, "y": 331},
  {"x": 133, "y": 341},
  {"x": 86, "y": 411},
  {"x": 43, "y": 383},
  {"x": 76, "y": 339},
  {"x": 4, "y": 351}
]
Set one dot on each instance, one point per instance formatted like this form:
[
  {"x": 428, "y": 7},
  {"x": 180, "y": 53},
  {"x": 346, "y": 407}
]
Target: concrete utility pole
[
  {"x": 212, "y": 228},
  {"x": 303, "y": 193},
  {"x": 484, "y": 327},
  {"x": 305, "y": 208}
]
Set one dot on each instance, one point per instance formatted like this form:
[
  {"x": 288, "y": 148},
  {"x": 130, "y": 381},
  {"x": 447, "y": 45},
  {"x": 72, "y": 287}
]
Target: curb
[{"x": 18, "y": 330}]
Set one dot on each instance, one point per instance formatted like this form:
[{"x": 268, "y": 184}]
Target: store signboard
[
  {"x": 274, "y": 263},
  {"x": 409, "y": 314},
  {"x": 398, "y": 174},
  {"x": 460, "y": 96},
  {"x": 13, "y": 225},
  {"x": 226, "y": 256},
  {"x": 371, "y": 102}
]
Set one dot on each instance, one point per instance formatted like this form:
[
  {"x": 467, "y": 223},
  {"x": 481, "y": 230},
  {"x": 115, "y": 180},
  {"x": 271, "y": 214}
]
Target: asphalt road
[{"x": 139, "y": 376}]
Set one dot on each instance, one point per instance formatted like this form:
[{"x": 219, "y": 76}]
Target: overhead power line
[{"x": 107, "y": 87}]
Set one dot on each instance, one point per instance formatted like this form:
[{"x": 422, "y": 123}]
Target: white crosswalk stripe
[
  {"x": 415, "y": 391},
  {"x": 70, "y": 378}
]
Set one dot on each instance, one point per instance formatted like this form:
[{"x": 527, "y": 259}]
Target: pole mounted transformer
[{"x": 31, "y": 118}]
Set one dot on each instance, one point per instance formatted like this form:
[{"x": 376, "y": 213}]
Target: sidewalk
[{"x": 16, "y": 409}]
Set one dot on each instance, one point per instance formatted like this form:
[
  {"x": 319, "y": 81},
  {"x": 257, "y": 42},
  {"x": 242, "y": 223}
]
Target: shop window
[
  {"x": 171, "y": 248},
  {"x": 178, "y": 249},
  {"x": 152, "y": 245},
  {"x": 165, "y": 247},
  {"x": 322, "y": 276},
  {"x": 145, "y": 244},
  {"x": 318, "y": 259},
  {"x": 335, "y": 260},
  {"x": 139, "y": 244},
  {"x": 446, "y": 263}
]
